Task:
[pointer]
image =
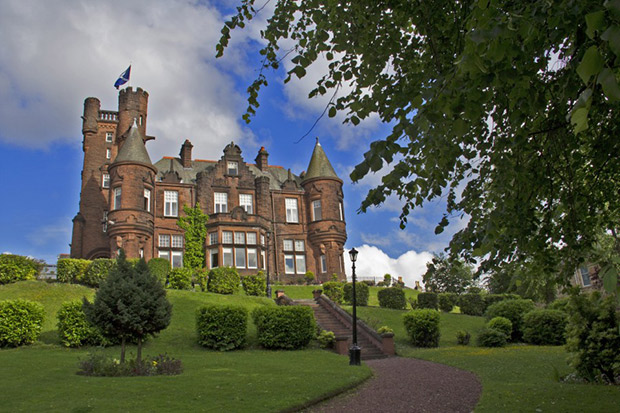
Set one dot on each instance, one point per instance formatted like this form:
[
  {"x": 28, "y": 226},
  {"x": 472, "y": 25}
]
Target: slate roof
[
  {"x": 133, "y": 149},
  {"x": 319, "y": 164}
]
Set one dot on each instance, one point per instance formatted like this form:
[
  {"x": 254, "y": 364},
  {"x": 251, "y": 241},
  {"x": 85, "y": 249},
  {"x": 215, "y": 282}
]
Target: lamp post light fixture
[
  {"x": 268, "y": 291},
  {"x": 355, "y": 351}
]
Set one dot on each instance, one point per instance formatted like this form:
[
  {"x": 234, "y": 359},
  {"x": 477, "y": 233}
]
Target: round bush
[
  {"x": 73, "y": 328},
  {"x": 326, "y": 339},
  {"x": 97, "y": 271},
  {"x": 160, "y": 268},
  {"x": 545, "y": 327},
  {"x": 222, "y": 327},
  {"x": 447, "y": 301},
  {"x": 428, "y": 300},
  {"x": 423, "y": 327},
  {"x": 20, "y": 322},
  {"x": 15, "y": 268},
  {"x": 463, "y": 337},
  {"x": 285, "y": 327},
  {"x": 180, "y": 279},
  {"x": 392, "y": 297},
  {"x": 223, "y": 280},
  {"x": 501, "y": 324},
  {"x": 334, "y": 290},
  {"x": 472, "y": 304},
  {"x": 361, "y": 293},
  {"x": 489, "y": 337},
  {"x": 255, "y": 285},
  {"x": 514, "y": 310}
]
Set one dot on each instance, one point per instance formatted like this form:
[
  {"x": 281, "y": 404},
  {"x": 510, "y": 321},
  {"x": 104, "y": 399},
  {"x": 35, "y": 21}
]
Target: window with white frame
[
  {"x": 227, "y": 255},
  {"x": 245, "y": 202},
  {"x": 341, "y": 211},
  {"x": 214, "y": 258},
  {"x": 105, "y": 180},
  {"x": 299, "y": 245},
  {"x": 227, "y": 237},
  {"x": 251, "y": 238},
  {"x": 164, "y": 241},
  {"x": 220, "y": 200},
  {"x": 287, "y": 244},
  {"x": 323, "y": 264},
  {"x": 289, "y": 263},
  {"x": 316, "y": 210},
  {"x": 239, "y": 257},
  {"x": 252, "y": 258},
  {"x": 233, "y": 168},
  {"x": 212, "y": 238},
  {"x": 147, "y": 199},
  {"x": 263, "y": 260},
  {"x": 177, "y": 241},
  {"x": 108, "y": 153},
  {"x": 300, "y": 264},
  {"x": 239, "y": 238},
  {"x": 171, "y": 248},
  {"x": 176, "y": 259},
  {"x": 171, "y": 203},
  {"x": 117, "y": 198},
  {"x": 108, "y": 136},
  {"x": 292, "y": 214},
  {"x": 294, "y": 257},
  {"x": 585, "y": 276}
]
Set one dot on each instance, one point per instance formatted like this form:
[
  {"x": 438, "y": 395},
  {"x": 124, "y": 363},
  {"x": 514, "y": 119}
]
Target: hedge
[
  {"x": 334, "y": 290},
  {"x": 222, "y": 327},
  {"x": 285, "y": 327},
  {"x": 514, "y": 310},
  {"x": 545, "y": 327},
  {"x": 423, "y": 327},
  {"x": 160, "y": 268},
  {"x": 71, "y": 270},
  {"x": 472, "y": 304},
  {"x": 97, "y": 271},
  {"x": 362, "y": 293},
  {"x": 490, "y": 299},
  {"x": 15, "y": 268},
  {"x": 223, "y": 280},
  {"x": 392, "y": 297},
  {"x": 255, "y": 285},
  {"x": 180, "y": 279},
  {"x": 447, "y": 301},
  {"x": 73, "y": 328},
  {"x": 20, "y": 322},
  {"x": 428, "y": 300}
]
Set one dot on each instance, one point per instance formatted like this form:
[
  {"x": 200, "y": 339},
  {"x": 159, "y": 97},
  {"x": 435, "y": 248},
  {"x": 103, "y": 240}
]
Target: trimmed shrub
[
  {"x": 180, "y": 279},
  {"x": 73, "y": 328},
  {"x": 309, "y": 277},
  {"x": 97, "y": 271},
  {"x": 559, "y": 304},
  {"x": 255, "y": 285},
  {"x": 286, "y": 327},
  {"x": 472, "y": 304},
  {"x": 326, "y": 339},
  {"x": 447, "y": 301},
  {"x": 392, "y": 297},
  {"x": 385, "y": 330},
  {"x": 200, "y": 277},
  {"x": 20, "y": 322},
  {"x": 223, "y": 280},
  {"x": 370, "y": 283},
  {"x": 160, "y": 268},
  {"x": 222, "y": 327},
  {"x": 545, "y": 327},
  {"x": 490, "y": 299},
  {"x": 463, "y": 337},
  {"x": 361, "y": 293},
  {"x": 71, "y": 270},
  {"x": 334, "y": 290},
  {"x": 514, "y": 310},
  {"x": 490, "y": 337},
  {"x": 501, "y": 324},
  {"x": 423, "y": 327},
  {"x": 428, "y": 300},
  {"x": 15, "y": 268}
]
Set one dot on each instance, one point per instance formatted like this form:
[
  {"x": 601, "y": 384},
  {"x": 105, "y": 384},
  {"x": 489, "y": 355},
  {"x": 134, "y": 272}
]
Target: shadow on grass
[{"x": 49, "y": 337}]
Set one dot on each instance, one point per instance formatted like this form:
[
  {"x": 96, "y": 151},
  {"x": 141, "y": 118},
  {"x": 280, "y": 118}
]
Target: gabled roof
[
  {"x": 319, "y": 166},
  {"x": 133, "y": 148}
]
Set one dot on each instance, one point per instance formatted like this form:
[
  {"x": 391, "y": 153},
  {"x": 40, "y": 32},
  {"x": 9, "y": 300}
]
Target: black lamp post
[
  {"x": 355, "y": 351},
  {"x": 268, "y": 284}
]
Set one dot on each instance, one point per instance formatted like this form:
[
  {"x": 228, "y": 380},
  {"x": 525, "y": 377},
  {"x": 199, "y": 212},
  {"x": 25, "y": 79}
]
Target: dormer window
[{"x": 233, "y": 168}]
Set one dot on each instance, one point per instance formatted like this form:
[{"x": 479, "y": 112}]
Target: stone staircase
[{"x": 329, "y": 316}]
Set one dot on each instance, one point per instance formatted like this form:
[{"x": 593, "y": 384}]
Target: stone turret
[{"x": 132, "y": 105}]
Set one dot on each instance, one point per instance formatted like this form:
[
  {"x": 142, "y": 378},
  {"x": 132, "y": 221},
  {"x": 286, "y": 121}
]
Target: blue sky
[{"x": 49, "y": 66}]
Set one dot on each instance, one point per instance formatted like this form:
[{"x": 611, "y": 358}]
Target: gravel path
[{"x": 408, "y": 385}]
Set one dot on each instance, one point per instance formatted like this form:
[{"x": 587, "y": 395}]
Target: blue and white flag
[{"x": 123, "y": 78}]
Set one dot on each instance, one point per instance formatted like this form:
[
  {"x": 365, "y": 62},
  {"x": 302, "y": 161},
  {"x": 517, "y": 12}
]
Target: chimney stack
[
  {"x": 186, "y": 154},
  {"x": 261, "y": 159}
]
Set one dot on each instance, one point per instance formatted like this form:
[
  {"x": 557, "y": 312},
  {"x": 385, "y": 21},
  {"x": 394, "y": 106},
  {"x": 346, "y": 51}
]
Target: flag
[{"x": 123, "y": 78}]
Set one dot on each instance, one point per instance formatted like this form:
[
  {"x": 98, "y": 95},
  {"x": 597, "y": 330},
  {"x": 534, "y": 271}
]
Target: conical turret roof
[
  {"x": 319, "y": 166},
  {"x": 133, "y": 149}
]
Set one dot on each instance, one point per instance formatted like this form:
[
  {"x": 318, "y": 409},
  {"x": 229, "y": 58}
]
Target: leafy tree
[
  {"x": 194, "y": 223},
  {"x": 508, "y": 109},
  {"x": 130, "y": 304},
  {"x": 446, "y": 275},
  {"x": 527, "y": 279}
]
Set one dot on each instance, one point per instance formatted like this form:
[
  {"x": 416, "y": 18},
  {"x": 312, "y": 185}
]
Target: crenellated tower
[{"x": 132, "y": 105}]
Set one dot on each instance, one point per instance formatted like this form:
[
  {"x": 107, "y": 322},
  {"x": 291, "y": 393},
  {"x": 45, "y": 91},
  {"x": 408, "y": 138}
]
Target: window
[
  {"x": 147, "y": 199},
  {"x": 221, "y": 202},
  {"x": 299, "y": 245},
  {"x": 108, "y": 136},
  {"x": 240, "y": 257},
  {"x": 212, "y": 238},
  {"x": 252, "y": 258},
  {"x": 177, "y": 259},
  {"x": 108, "y": 153},
  {"x": 300, "y": 264},
  {"x": 323, "y": 264},
  {"x": 164, "y": 254},
  {"x": 105, "y": 180},
  {"x": 228, "y": 257},
  {"x": 104, "y": 221},
  {"x": 585, "y": 276},
  {"x": 294, "y": 263},
  {"x": 177, "y": 241},
  {"x": 288, "y": 244},
  {"x": 262, "y": 239},
  {"x": 227, "y": 237},
  {"x": 233, "y": 168},
  {"x": 251, "y": 238},
  {"x": 117, "y": 198},
  {"x": 291, "y": 210},
  {"x": 340, "y": 210},
  {"x": 245, "y": 202},
  {"x": 240, "y": 238},
  {"x": 164, "y": 241},
  {"x": 289, "y": 264},
  {"x": 316, "y": 210},
  {"x": 141, "y": 253},
  {"x": 215, "y": 257},
  {"x": 171, "y": 203}
]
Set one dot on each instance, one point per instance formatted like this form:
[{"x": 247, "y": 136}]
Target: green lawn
[{"x": 42, "y": 377}]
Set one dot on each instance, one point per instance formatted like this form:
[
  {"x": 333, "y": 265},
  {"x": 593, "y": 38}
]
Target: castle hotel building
[{"x": 261, "y": 216}]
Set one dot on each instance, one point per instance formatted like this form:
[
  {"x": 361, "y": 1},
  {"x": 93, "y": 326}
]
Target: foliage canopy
[
  {"x": 194, "y": 223},
  {"x": 447, "y": 275}
]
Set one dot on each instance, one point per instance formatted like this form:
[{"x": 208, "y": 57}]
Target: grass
[
  {"x": 515, "y": 378},
  {"x": 42, "y": 377}
]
